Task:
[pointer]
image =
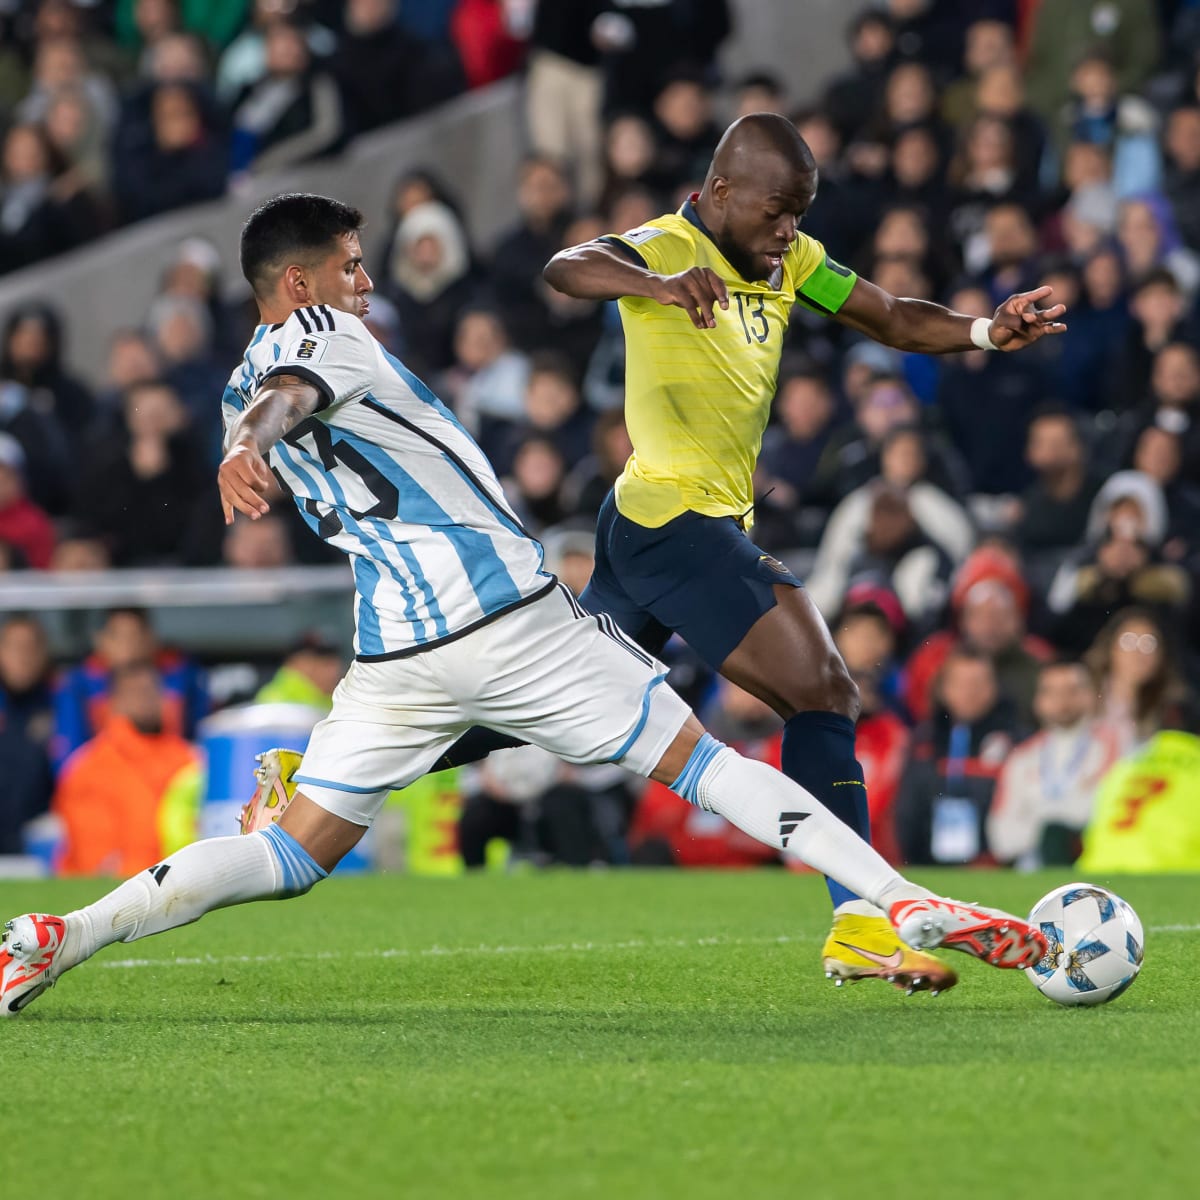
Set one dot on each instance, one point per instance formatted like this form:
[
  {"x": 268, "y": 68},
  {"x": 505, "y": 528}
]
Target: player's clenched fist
[
  {"x": 697, "y": 291},
  {"x": 243, "y": 478}
]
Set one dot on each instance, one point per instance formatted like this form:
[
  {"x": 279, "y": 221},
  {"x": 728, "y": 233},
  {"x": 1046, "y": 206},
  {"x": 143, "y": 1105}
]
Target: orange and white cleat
[
  {"x": 27, "y": 952},
  {"x": 997, "y": 938},
  {"x": 861, "y": 947}
]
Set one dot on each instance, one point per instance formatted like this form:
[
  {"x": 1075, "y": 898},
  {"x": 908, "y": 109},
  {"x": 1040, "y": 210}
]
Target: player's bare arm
[
  {"x": 925, "y": 328},
  {"x": 244, "y": 477},
  {"x": 594, "y": 271}
]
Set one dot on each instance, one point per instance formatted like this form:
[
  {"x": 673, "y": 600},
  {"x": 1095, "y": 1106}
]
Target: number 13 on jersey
[{"x": 754, "y": 320}]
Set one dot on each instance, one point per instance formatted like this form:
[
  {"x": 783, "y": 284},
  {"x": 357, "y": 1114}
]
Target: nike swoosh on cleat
[{"x": 890, "y": 962}]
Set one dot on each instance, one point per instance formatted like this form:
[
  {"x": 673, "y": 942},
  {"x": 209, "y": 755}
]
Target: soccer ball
[{"x": 1095, "y": 945}]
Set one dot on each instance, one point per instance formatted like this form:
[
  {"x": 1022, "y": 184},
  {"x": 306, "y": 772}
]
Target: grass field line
[
  {"x": 437, "y": 951},
  {"x": 483, "y": 949}
]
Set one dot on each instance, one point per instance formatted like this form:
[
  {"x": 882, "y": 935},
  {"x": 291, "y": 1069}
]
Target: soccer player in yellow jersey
[{"x": 705, "y": 295}]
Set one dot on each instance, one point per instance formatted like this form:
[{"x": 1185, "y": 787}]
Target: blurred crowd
[{"x": 1006, "y": 546}]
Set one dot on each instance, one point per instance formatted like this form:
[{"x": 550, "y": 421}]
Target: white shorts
[{"x": 547, "y": 673}]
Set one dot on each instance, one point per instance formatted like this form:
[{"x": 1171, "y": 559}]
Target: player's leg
[
  {"x": 356, "y": 756},
  {"x": 787, "y": 657},
  {"x": 272, "y": 864},
  {"x": 772, "y": 808},
  {"x": 612, "y": 704},
  {"x": 748, "y": 617}
]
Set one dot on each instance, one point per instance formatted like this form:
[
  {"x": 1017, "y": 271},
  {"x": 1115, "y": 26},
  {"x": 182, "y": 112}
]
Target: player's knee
[{"x": 829, "y": 689}]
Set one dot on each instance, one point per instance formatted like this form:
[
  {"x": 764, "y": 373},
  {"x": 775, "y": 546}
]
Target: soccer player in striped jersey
[
  {"x": 458, "y": 624},
  {"x": 705, "y": 295}
]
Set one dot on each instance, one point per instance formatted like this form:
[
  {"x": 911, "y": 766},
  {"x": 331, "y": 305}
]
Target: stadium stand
[{"x": 965, "y": 519}]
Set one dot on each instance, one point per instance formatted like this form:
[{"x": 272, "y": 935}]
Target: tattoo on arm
[{"x": 278, "y": 407}]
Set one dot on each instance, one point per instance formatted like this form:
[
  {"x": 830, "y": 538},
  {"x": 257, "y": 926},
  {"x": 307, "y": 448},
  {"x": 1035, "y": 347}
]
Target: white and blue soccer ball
[{"x": 1096, "y": 945}]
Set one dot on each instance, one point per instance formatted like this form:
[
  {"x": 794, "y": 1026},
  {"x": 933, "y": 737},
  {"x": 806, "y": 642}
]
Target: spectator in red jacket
[
  {"x": 23, "y": 525},
  {"x": 480, "y": 33},
  {"x": 990, "y": 603}
]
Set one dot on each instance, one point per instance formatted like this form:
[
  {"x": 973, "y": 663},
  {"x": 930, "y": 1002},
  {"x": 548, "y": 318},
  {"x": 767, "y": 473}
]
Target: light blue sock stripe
[
  {"x": 300, "y": 872},
  {"x": 707, "y": 748}
]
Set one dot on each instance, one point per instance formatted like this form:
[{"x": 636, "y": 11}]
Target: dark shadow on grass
[{"x": 910, "y": 1036}]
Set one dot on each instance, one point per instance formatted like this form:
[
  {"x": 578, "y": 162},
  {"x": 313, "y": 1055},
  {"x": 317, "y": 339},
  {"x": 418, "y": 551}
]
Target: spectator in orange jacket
[{"x": 128, "y": 797}]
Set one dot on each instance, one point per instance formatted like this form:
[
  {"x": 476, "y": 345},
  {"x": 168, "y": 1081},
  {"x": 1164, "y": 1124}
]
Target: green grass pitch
[{"x": 616, "y": 1034}]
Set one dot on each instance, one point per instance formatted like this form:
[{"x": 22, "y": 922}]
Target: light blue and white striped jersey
[{"x": 386, "y": 474}]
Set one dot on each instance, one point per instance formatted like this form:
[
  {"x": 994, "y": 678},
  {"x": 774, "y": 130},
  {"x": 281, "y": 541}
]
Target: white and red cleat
[
  {"x": 998, "y": 938},
  {"x": 27, "y": 953}
]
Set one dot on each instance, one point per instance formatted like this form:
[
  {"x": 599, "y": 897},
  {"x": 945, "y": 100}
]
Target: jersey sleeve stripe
[
  {"x": 303, "y": 321},
  {"x": 625, "y": 248},
  {"x": 328, "y": 315},
  {"x": 308, "y": 377}
]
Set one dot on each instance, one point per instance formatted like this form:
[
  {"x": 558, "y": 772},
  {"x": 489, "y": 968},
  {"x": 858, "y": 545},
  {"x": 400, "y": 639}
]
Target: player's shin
[
  {"x": 818, "y": 754},
  {"x": 770, "y": 807},
  {"x": 206, "y": 875}
]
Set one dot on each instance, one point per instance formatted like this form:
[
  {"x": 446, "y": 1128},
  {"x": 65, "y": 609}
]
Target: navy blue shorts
[{"x": 700, "y": 577}]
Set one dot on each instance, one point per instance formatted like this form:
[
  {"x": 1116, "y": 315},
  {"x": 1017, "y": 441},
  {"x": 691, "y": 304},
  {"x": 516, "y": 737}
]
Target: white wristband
[{"x": 980, "y": 333}]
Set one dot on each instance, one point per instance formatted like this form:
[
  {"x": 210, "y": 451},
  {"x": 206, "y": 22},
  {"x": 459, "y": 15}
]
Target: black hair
[
  {"x": 1056, "y": 410},
  {"x": 554, "y": 362},
  {"x": 141, "y": 615},
  {"x": 800, "y": 366},
  {"x": 291, "y": 223},
  {"x": 765, "y": 80},
  {"x": 1063, "y": 663},
  {"x": 1158, "y": 277}
]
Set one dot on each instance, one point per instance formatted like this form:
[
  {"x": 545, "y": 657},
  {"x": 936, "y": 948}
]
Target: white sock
[
  {"x": 772, "y": 808},
  {"x": 201, "y": 877}
]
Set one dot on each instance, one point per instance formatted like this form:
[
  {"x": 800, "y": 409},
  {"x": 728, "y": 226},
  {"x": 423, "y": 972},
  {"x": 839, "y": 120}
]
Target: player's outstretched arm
[
  {"x": 925, "y": 328},
  {"x": 243, "y": 476},
  {"x": 595, "y": 271}
]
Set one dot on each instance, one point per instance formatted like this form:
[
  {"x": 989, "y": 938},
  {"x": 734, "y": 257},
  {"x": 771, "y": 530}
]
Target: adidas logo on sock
[{"x": 788, "y": 823}]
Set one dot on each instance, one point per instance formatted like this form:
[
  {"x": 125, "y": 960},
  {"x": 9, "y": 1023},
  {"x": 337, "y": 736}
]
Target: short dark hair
[
  {"x": 1055, "y": 410},
  {"x": 968, "y": 654},
  {"x": 1063, "y": 664},
  {"x": 141, "y": 615},
  {"x": 133, "y": 670},
  {"x": 291, "y": 223},
  {"x": 554, "y": 362},
  {"x": 1158, "y": 277},
  {"x": 765, "y": 80}
]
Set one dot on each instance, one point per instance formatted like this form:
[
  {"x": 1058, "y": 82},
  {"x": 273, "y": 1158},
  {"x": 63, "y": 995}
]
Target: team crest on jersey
[
  {"x": 773, "y": 563},
  {"x": 644, "y": 234},
  {"x": 308, "y": 349}
]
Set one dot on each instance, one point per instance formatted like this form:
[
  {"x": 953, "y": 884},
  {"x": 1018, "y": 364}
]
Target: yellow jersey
[
  {"x": 1147, "y": 814},
  {"x": 697, "y": 400}
]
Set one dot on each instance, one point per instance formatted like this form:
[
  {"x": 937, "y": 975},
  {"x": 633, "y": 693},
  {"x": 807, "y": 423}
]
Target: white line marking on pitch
[
  {"x": 457, "y": 951},
  {"x": 210, "y": 960}
]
